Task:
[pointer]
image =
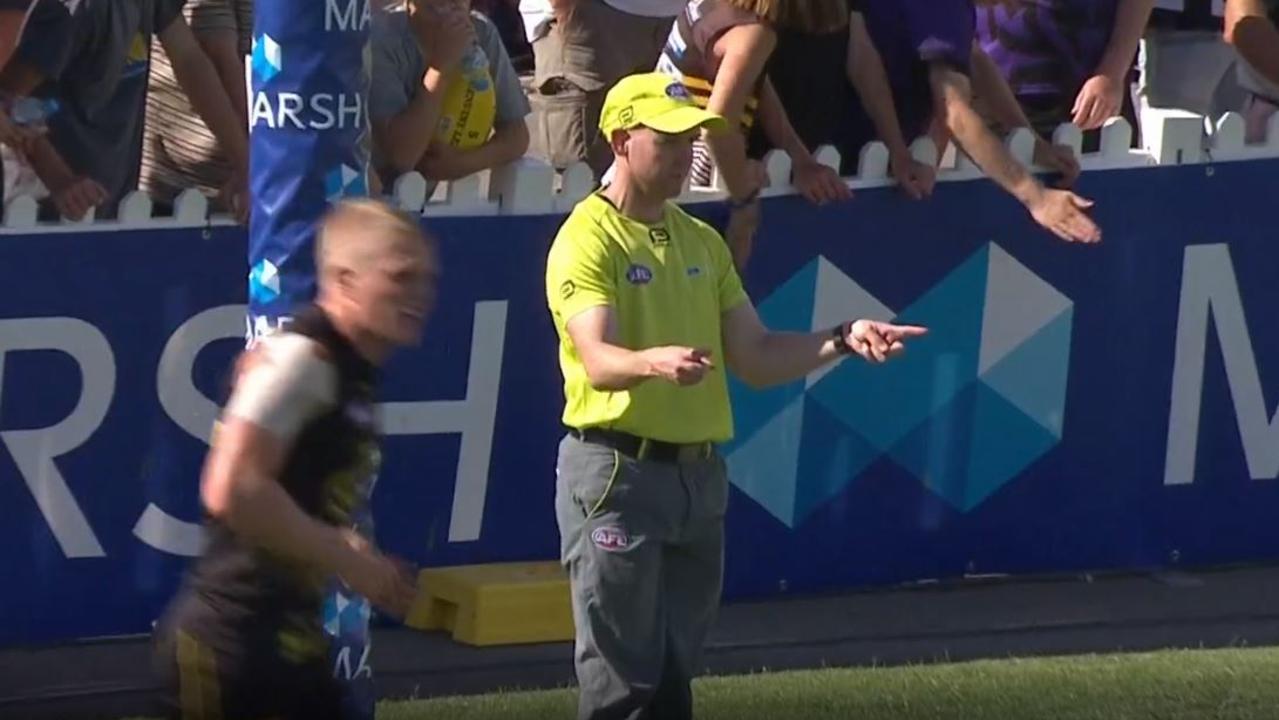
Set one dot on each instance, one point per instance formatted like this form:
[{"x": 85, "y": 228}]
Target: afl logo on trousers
[{"x": 611, "y": 538}]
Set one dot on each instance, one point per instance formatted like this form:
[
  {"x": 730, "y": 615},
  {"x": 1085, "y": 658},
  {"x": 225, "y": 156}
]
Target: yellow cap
[{"x": 654, "y": 100}]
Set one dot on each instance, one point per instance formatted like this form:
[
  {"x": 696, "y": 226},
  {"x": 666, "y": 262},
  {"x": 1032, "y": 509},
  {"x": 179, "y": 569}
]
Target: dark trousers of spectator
[{"x": 575, "y": 64}]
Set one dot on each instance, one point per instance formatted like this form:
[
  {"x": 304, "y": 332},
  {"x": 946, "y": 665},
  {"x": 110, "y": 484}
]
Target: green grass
[
  {"x": 1182, "y": 684},
  {"x": 1238, "y": 684}
]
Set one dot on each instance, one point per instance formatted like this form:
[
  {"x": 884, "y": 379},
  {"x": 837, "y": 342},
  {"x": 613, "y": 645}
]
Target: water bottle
[{"x": 28, "y": 111}]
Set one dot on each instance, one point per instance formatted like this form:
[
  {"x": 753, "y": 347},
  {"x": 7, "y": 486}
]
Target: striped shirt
[{"x": 178, "y": 149}]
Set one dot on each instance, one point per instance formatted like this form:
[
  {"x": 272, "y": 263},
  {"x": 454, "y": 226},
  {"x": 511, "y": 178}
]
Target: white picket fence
[{"x": 529, "y": 187}]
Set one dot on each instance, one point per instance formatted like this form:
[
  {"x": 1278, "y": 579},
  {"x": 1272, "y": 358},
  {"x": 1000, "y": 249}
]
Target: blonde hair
[
  {"x": 811, "y": 16},
  {"x": 352, "y": 230}
]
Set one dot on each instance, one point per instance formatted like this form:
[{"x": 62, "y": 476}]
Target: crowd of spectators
[{"x": 102, "y": 97}]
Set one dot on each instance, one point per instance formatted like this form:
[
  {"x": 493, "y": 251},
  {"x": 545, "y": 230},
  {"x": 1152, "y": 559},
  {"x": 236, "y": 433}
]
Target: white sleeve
[{"x": 285, "y": 388}]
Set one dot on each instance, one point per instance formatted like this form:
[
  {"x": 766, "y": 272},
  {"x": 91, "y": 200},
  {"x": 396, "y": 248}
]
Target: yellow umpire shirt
[{"x": 668, "y": 284}]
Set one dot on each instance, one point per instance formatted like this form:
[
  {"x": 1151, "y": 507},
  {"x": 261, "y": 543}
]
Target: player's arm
[
  {"x": 282, "y": 386},
  {"x": 762, "y": 358},
  {"x": 1254, "y": 36},
  {"x": 239, "y": 489}
]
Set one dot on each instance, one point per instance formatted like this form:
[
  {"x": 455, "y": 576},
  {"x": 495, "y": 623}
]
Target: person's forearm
[
  {"x": 777, "y": 126},
  {"x": 988, "y": 152},
  {"x": 200, "y": 81},
  {"x": 220, "y": 46},
  {"x": 989, "y": 84},
  {"x": 1254, "y": 37},
  {"x": 10, "y": 33},
  {"x": 1130, "y": 22},
  {"x": 262, "y": 513},
  {"x": 728, "y": 150},
  {"x": 782, "y": 357},
  {"x": 871, "y": 83},
  {"x": 508, "y": 144},
  {"x": 49, "y": 166},
  {"x": 410, "y": 133},
  {"x": 611, "y": 368}
]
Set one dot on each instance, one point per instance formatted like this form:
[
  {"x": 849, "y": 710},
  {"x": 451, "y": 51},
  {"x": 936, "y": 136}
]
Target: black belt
[{"x": 644, "y": 448}]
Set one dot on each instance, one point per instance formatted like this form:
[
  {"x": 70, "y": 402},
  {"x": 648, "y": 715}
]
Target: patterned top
[{"x": 1046, "y": 47}]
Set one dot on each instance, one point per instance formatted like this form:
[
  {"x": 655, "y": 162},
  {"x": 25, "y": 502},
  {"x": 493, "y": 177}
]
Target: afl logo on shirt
[{"x": 639, "y": 275}]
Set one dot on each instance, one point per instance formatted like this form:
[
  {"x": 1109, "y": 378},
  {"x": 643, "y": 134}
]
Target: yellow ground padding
[{"x": 496, "y": 604}]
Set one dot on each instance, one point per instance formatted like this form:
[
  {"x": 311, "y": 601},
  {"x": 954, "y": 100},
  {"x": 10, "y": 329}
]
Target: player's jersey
[{"x": 236, "y": 589}]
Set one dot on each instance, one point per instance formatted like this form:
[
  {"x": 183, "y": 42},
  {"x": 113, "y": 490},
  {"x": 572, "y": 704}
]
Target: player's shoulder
[{"x": 289, "y": 357}]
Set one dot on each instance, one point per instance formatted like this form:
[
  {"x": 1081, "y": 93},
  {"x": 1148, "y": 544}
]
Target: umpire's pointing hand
[{"x": 878, "y": 341}]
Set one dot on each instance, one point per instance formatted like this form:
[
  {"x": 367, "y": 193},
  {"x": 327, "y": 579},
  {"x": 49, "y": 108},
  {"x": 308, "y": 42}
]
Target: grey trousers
[{"x": 643, "y": 543}]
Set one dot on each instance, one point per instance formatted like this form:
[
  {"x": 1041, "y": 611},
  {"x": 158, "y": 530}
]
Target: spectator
[
  {"x": 13, "y": 18},
  {"x": 718, "y": 50},
  {"x": 420, "y": 51},
  {"x": 178, "y": 149},
  {"x": 93, "y": 57},
  {"x": 814, "y": 73},
  {"x": 1066, "y": 60},
  {"x": 505, "y": 14},
  {"x": 1252, "y": 27},
  {"x": 1184, "y": 63},
  {"x": 581, "y": 48},
  {"x": 935, "y": 68}
]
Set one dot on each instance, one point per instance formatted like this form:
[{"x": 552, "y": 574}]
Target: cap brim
[{"x": 686, "y": 118}]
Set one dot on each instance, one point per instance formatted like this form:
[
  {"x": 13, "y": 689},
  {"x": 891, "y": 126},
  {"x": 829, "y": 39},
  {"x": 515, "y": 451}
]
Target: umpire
[{"x": 649, "y": 307}]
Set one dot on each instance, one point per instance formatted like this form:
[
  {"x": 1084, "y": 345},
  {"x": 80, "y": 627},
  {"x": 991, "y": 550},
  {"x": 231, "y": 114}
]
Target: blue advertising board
[{"x": 1073, "y": 407}]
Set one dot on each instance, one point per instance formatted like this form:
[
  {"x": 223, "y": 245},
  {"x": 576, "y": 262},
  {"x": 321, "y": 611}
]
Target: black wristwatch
[{"x": 840, "y": 333}]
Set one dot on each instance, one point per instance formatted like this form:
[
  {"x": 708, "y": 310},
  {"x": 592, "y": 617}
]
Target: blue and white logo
[
  {"x": 264, "y": 282},
  {"x": 268, "y": 58},
  {"x": 677, "y": 91},
  {"x": 345, "y": 181},
  {"x": 973, "y": 404},
  {"x": 639, "y": 274}
]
